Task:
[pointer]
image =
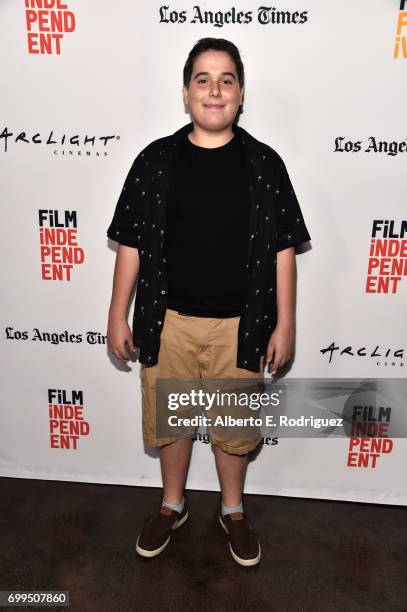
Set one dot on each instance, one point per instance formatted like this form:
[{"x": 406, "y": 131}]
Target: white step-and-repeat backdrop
[{"x": 85, "y": 86}]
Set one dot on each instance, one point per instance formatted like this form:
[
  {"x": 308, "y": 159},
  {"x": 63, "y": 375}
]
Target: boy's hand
[
  {"x": 119, "y": 337},
  {"x": 280, "y": 348}
]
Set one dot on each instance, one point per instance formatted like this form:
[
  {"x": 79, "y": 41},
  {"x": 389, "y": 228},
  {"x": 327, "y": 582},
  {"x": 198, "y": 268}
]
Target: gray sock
[
  {"x": 230, "y": 509},
  {"x": 177, "y": 507}
]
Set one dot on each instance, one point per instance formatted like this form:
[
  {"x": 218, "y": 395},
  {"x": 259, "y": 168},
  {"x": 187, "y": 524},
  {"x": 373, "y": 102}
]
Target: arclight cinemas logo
[
  {"x": 400, "y": 43},
  {"x": 384, "y": 356},
  {"x": 387, "y": 262},
  {"x": 65, "y": 145},
  {"x": 47, "y": 21},
  {"x": 66, "y": 420},
  {"x": 59, "y": 247}
]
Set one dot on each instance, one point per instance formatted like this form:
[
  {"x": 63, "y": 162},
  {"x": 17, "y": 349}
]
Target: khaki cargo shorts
[{"x": 194, "y": 347}]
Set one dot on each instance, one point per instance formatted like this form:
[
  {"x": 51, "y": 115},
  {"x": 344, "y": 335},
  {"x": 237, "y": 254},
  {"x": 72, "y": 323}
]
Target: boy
[{"x": 207, "y": 222}]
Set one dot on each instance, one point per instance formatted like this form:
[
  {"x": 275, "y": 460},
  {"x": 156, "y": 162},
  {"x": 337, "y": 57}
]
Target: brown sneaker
[
  {"x": 157, "y": 532},
  {"x": 243, "y": 542}
]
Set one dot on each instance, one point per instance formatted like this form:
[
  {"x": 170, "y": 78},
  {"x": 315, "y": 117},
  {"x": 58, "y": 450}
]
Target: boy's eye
[{"x": 227, "y": 81}]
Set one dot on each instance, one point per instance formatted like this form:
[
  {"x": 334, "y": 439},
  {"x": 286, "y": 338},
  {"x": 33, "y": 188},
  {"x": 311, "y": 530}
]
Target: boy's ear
[{"x": 185, "y": 94}]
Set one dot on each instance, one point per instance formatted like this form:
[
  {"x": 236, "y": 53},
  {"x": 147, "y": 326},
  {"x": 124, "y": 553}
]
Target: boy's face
[{"x": 213, "y": 94}]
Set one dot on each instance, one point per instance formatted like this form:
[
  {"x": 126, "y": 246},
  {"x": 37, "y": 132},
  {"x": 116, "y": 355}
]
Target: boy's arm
[
  {"x": 126, "y": 229},
  {"x": 286, "y": 286},
  {"x": 125, "y": 275},
  {"x": 291, "y": 230},
  {"x": 281, "y": 344}
]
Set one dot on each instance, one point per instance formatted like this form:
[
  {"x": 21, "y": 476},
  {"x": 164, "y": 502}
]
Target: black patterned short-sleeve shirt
[{"x": 276, "y": 222}]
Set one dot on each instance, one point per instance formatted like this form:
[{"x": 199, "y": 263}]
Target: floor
[{"x": 316, "y": 555}]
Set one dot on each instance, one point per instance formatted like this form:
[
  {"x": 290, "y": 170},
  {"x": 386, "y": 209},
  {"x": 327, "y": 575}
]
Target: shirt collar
[{"x": 240, "y": 132}]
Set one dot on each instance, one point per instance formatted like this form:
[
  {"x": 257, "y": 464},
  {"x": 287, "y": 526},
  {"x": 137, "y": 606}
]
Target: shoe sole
[
  {"x": 244, "y": 562},
  {"x": 153, "y": 553}
]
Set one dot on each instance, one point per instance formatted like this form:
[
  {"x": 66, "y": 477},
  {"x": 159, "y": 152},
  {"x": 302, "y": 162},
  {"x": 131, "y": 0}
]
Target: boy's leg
[
  {"x": 231, "y": 471},
  {"x": 175, "y": 459},
  {"x": 231, "y": 455},
  {"x": 177, "y": 359}
]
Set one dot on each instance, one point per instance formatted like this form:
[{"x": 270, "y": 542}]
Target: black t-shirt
[{"x": 208, "y": 206}]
